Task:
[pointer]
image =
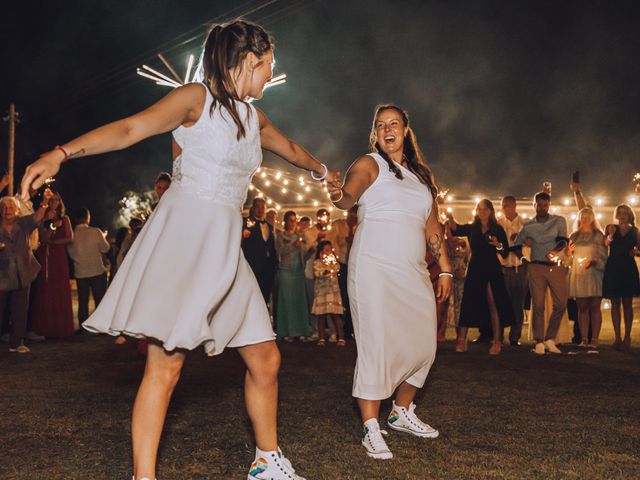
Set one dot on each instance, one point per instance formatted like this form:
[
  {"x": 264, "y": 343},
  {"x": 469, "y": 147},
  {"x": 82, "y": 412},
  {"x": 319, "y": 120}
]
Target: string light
[
  {"x": 284, "y": 190},
  {"x": 267, "y": 183}
]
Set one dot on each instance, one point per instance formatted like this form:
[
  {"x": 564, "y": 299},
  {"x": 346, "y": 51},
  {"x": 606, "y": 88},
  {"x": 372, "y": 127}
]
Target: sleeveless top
[{"x": 214, "y": 165}]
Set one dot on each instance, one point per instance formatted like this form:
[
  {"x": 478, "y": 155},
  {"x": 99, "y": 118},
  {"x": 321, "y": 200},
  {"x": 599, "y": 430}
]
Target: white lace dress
[{"x": 185, "y": 281}]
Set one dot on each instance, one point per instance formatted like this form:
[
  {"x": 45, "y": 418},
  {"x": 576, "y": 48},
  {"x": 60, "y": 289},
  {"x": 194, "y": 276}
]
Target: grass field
[{"x": 66, "y": 409}]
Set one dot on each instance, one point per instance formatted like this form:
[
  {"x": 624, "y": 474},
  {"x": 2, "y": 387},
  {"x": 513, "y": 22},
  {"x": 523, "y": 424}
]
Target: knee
[
  {"x": 166, "y": 374},
  {"x": 266, "y": 365}
]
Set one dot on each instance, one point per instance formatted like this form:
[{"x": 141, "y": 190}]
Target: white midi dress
[
  {"x": 392, "y": 299},
  {"x": 185, "y": 281}
]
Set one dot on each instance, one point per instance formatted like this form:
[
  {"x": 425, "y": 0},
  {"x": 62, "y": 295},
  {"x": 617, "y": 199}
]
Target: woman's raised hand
[
  {"x": 333, "y": 180},
  {"x": 39, "y": 171}
]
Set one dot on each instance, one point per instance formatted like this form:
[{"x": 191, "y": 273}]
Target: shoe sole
[
  {"x": 435, "y": 434},
  {"x": 380, "y": 456}
]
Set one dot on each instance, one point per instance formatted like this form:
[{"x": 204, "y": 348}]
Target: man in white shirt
[
  {"x": 86, "y": 250},
  {"x": 515, "y": 273}
]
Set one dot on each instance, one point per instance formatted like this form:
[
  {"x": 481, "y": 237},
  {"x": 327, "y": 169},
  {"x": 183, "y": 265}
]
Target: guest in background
[
  {"x": 515, "y": 273},
  {"x": 51, "y": 310},
  {"x": 121, "y": 234},
  {"x": 272, "y": 219},
  {"x": 135, "y": 225},
  {"x": 547, "y": 235},
  {"x": 18, "y": 266},
  {"x": 621, "y": 281},
  {"x": 162, "y": 184},
  {"x": 293, "y": 310},
  {"x": 303, "y": 226},
  {"x": 587, "y": 260},
  {"x": 459, "y": 256},
  {"x": 88, "y": 246},
  {"x": 259, "y": 247},
  {"x": 340, "y": 230},
  {"x": 485, "y": 302},
  {"x": 327, "y": 302}
]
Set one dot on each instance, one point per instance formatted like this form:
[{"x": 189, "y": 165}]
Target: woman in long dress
[
  {"x": 485, "y": 301},
  {"x": 194, "y": 231},
  {"x": 393, "y": 303},
  {"x": 51, "y": 310},
  {"x": 293, "y": 311}
]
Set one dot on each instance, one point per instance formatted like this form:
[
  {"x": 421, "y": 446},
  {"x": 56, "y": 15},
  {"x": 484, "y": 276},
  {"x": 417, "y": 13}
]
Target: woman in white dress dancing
[
  {"x": 211, "y": 297},
  {"x": 393, "y": 303}
]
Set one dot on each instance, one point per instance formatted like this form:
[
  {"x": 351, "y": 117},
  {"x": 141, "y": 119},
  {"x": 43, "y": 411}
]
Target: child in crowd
[{"x": 327, "y": 301}]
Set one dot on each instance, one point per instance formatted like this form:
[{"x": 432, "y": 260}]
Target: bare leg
[
  {"x": 405, "y": 395},
  {"x": 596, "y": 319},
  {"x": 461, "y": 344},
  {"x": 615, "y": 319},
  {"x": 161, "y": 375},
  {"x": 261, "y": 391},
  {"x": 583, "y": 319},
  {"x": 627, "y": 306},
  {"x": 322, "y": 327},
  {"x": 337, "y": 321},
  {"x": 495, "y": 321},
  {"x": 368, "y": 409}
]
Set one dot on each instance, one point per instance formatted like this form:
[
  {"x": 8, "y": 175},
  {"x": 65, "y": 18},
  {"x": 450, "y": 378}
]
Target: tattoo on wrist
[
  {"x": 435, "y": 243},
  {"x": 78, "y": 153}
]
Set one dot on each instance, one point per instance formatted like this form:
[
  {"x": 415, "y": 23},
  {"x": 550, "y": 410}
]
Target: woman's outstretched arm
[{"x": 181, "y": 106}]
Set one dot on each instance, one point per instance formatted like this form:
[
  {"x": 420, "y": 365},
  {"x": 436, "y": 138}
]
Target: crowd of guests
[
  {"x": 508, "y": 265},
  {"x": 502, "y": 266},
  {"x": 41, "y": 250}
]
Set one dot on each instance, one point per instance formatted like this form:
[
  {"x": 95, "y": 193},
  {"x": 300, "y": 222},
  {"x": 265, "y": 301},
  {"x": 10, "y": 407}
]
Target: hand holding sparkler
[{"x": 42, "y": 171}]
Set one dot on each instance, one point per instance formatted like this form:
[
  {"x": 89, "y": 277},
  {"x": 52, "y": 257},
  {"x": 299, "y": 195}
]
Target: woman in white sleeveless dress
[
  {"x": 393, "y": 303},
  {"x": 211, "y": 296}
]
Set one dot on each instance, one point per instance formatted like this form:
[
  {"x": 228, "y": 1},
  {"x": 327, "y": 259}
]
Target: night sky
[{"x": 503, "y": 94}]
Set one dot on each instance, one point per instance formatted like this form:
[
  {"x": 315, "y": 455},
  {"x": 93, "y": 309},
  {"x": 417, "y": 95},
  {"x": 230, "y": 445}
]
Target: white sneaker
[
  {"x": 538, "y": 349},
  {"x": 20, "y": 349},
  {"x": 550, "y": 346},
  {"x": 407, "y": 421},
  {"x": 373, "y": 442},
  {"x": 272, "y": 466}
]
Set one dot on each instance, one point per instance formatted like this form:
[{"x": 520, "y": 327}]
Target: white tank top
[{"x": 214, "y": 164}]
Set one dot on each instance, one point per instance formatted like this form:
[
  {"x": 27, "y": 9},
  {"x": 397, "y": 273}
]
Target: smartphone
[{"x": 575, "y": 177}]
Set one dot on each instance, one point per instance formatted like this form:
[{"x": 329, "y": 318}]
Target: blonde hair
[
  {"x": 595, "y": 225},
  {"x": 630, "y": 214},
  {"x": 12, "y": 200}
]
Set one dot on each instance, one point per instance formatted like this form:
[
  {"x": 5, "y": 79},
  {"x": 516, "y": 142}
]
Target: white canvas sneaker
[
  {"x": 407, "y": 421},
  {"x": 373, "y": 442},
  {"x": 272, "y": 466},
  {"x": 550, "y": 346}
]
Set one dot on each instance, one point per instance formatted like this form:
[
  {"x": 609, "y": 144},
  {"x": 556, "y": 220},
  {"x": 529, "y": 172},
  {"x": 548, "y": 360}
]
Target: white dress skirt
[
  {"x": 185, "y": 281},
  {"x": 391, "y": 296}
]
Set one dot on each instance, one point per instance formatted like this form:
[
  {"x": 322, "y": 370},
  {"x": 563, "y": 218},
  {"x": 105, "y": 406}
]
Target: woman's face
[
  {"x": 390, "y": 131},
  {"x": 9, "y": 211},
  {"x": 326, "y": 250},
  {"x": 291, "y": 222},
  {"x": 483, "y": 212},
  {"x": 622, "y": 216},
  {"x": 260, "y": 71},
  {"x": 585, "y": 219}
]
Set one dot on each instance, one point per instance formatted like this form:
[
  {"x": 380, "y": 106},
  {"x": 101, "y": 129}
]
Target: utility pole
[
  {"x": 13, "y": 118},
  {"x": 12, "y": 144}
]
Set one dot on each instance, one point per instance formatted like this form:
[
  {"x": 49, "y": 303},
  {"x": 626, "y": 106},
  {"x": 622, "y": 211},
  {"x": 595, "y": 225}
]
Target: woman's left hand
[
  {"x": 443, "y": 288},
  {"x": 333, "y": 179}
]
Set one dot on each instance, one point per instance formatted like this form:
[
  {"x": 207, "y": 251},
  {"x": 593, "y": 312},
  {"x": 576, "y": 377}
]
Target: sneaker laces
[
  {"x": 376, "y": 439},
  {"x": 411, "y": 414},
  {"x": 285, "y": 460}
]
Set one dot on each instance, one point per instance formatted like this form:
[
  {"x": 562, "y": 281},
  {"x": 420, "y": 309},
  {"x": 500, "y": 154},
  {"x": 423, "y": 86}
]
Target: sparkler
[
  {"x": 581, "y": 261},
  {"x": 249, "y": 223},
  {"x": 636, "y": 180}
]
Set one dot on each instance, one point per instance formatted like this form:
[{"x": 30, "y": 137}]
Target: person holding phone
[{"x": 485, "y": 301}]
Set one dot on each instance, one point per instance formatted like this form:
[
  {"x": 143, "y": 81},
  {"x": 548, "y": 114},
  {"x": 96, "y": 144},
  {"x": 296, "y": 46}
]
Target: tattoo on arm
[
  {"x": 435, "y": 243},
  {"x": 78, "y": 153}
]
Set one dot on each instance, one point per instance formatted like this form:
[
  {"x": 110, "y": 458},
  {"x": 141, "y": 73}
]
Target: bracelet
[
  {"x": 445, "y": 274},
  {"x": 321, "y": 177},
  {"x": 66, "y": 155},
  {"x": 42, "y": 205},
  {"x": 523, "y": 259},
  {"x": 500, "y": 248},
  {"x": 338, "y": 199}
]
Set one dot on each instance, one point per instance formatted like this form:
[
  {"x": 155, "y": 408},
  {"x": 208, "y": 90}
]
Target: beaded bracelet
[{"x": 321, "y": 177}]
